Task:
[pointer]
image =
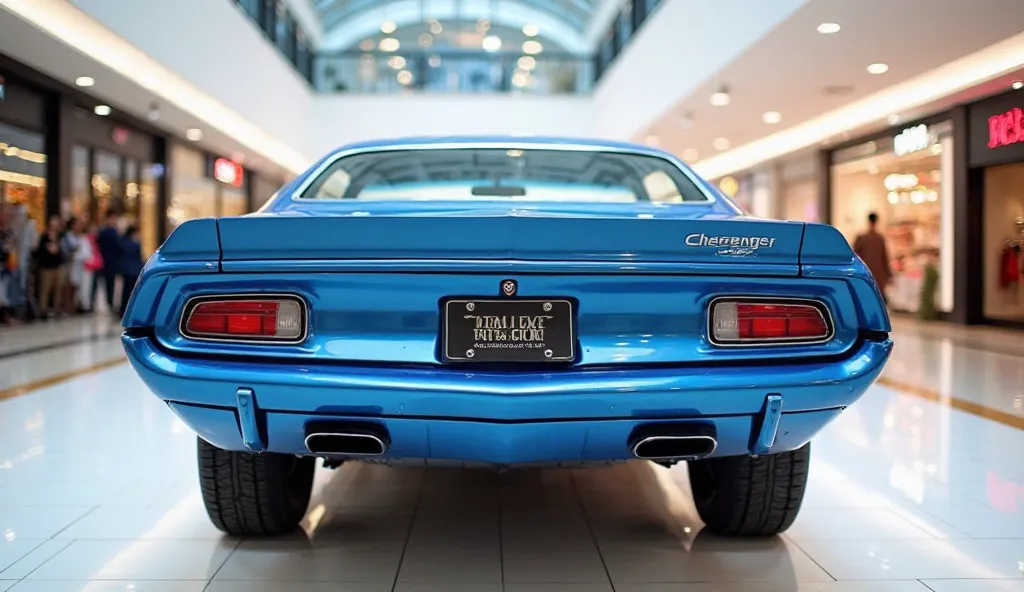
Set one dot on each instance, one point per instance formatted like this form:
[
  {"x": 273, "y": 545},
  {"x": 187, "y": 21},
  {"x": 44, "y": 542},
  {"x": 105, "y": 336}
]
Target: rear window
[{"x": 505, "y": 174}]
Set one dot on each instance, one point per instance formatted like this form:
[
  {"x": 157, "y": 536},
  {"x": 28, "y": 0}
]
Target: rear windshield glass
[{"x": 505, "y": 174}]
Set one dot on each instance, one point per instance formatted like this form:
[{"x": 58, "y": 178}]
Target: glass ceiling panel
[{"x": 573, "y": 13}]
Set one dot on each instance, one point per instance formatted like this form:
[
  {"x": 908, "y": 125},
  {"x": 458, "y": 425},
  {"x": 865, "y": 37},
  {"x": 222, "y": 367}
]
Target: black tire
[
  {"x": 254, "y": 494},
  {"x": 746, "y": 496}
]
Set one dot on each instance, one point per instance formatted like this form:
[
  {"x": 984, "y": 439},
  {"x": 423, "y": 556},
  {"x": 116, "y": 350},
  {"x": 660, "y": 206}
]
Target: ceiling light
[
  {"x": 532, "y": 47},
  {"x": 435, "y": 27},
  {"x": 194, "y": 134},
  {"x": 878, "y": 68},
  {"x": 85, "y": 81},
  {"x": 154, "y": 112},
  {"x": 527, "y": 63},
  {"x": 434, "y": 61},
  {"x": 492, "y": 43},
  {"x": 893, "y": 119},
  {"x": 367, "y": 45},
  {"x": 521, "y": 79},
  {"x": 771, "y": 117},
  {"x": 388, "y": 44},
  {"x": 405, "y": 78},
  {"x": 426, "y": 40},
  {"x": 721, "y": 144},
  {"x": 691, "y": 155},
  {"x": 388, "y": 27},
  {"x": 102, "y": 110},
  {"x": 828, "y": 28},
  {"x": 686, "y": 121},
  {"x": 721, "y": 98},
  {"x": 1017, "y": 84},
  {"x": 531, "y": 30},
  {"x": 652, "y": 140},
  {"x": 396, "y": 62}
]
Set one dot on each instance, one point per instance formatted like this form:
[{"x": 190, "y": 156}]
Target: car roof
[{"x": 502, "y": 140}]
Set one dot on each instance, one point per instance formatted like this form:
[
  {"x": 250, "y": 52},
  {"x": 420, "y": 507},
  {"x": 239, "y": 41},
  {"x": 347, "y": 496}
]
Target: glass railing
[{"x": 452, "y": 72}]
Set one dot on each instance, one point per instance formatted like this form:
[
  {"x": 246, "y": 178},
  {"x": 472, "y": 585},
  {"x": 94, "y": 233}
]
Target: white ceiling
[
  {"x": 41, "y": 51},
  {"x": 796, "y": 71}
]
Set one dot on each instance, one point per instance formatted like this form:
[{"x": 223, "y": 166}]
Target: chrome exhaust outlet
[
  {"x": 674, "y": 447},
  {"x": 346, "y": 443}
]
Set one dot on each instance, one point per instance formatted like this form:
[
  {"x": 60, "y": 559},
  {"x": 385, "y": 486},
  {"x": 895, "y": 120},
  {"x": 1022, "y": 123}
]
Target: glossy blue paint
[
  {"x": 373, "y": 276},
  {"x": 769, "y": 425}
]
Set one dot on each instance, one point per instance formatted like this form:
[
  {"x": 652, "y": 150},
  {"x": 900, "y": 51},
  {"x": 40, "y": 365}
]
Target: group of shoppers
[{"x": 58, "y": 272}]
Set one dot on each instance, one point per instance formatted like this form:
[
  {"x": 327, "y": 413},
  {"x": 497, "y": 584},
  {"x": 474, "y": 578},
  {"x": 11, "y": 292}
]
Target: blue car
[{"x": 505, "y": 302}]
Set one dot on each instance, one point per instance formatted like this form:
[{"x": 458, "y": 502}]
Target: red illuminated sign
[
  {"x": 227, "y": 172},
  {"x": 1006, "y": 128}
]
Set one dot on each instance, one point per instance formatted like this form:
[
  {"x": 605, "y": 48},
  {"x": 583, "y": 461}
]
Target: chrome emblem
[{"x": 508, "y": 287}]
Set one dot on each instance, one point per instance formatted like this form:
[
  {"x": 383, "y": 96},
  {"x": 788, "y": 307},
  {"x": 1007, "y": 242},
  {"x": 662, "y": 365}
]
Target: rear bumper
[{"x": 501, "y": 418}]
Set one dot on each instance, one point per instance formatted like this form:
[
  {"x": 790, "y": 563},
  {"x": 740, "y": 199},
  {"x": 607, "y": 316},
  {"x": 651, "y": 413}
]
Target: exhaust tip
[
  {"x": 674, "y": 447},
  {"x": 348, "y": 444}
]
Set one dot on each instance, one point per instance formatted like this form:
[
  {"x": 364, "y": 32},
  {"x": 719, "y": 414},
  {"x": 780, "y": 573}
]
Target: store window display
[
  {"x": 23, "y": 172},
  {"x": 906, "y": 180},
  {"x": 1003, "y": 238},
  {"x": 194, "y": 193}
]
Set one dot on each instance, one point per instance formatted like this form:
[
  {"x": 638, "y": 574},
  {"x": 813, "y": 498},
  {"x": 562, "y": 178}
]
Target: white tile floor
[{"x": 98, "y": 493}]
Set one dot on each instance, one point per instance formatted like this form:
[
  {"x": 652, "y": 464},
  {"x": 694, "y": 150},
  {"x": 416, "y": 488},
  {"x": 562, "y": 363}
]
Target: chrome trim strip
[
  {"x": 818, "y": 305},
  {"x": 380, "y": 442},
  {"x": 714, "y": 446},
  {"x": 298, "y": 194},
  {"x": 186, "y": 311}
]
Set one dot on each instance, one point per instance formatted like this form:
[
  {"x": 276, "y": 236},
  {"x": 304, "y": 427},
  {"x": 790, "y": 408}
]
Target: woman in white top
[{"x": 77, "y": 251}]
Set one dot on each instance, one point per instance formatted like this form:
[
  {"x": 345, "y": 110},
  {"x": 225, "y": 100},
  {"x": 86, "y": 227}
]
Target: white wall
[
  {"x": 679, "y": 47},
  {"x": 212, "y": 44},
  {"x": 342, "y": 119}
]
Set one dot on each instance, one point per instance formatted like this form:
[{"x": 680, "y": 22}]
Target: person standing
[
  {"x": 70, "y": 246},
  {"x": 130, "y": 264},
  {"x": 870, "y": 247},
  {"x": 109, "y": 242},
  {"x": 51, "y": 263}
]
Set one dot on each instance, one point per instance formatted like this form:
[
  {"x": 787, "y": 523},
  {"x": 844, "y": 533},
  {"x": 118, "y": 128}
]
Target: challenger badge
[
  {"x": 731, "y": 246},
  {"x": 508, "y": 287}
]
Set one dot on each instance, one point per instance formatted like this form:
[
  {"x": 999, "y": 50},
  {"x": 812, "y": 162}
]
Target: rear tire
[
  {"x": 746, "y": 496},
  {"x": 254, "y": 494}
]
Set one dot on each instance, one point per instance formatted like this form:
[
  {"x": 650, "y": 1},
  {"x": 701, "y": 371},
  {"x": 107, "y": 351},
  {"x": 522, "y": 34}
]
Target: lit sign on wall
[
  {"x": 1006, "y": 128},
  {"x": 912, "y": 139},
  {"x": 227, "y": 172}
]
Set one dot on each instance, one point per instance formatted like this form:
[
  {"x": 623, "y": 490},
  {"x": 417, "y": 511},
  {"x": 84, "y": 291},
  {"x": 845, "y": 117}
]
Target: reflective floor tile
[
  {"x": 5, "y": 584},
  {"x": 14, "y": 549},
  {"x": 842, "y": 523},
  {"x": 131, "y": 560},
  {"x": 297, "y": 586},
  {"x": 109, "y": 586},
  {"x": 934, "y": 559},
  {"x": 891, "y": 586},
  {"x": 1015, "y": 585},
  {"x": 558, "y": 587},
  {"x": 413, "y": 587},
  {"x": 185, "y": 521},
  {"x": 321, "y": 560},
  {"x": 38, "y": 556},
  {"x": 38, "y": 522},
  {"x": 553, "y": 563},
  {"x": 442, "y": 560}
]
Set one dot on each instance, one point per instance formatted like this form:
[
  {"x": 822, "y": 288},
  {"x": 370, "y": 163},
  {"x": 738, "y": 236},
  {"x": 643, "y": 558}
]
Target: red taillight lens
[
  {"x": 272, "y": 319},
  {"x": 750, "y": 322}
]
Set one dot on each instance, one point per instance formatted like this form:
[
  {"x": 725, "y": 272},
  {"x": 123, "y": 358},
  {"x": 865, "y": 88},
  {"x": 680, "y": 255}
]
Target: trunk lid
[{"x": 674, "y": 234}]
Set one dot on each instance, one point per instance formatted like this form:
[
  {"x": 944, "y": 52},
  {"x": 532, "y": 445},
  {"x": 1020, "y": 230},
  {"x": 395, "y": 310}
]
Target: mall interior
[{"x": 141, "y": 115}]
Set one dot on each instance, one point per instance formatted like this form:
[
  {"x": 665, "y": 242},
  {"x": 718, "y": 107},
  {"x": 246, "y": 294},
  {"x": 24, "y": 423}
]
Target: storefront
[
  {"x": 113, "y": 169},
  {"x": 905, "y": 177},
  {"x": 205, "y": 186},
  {"x": 785, "y": 189},
  {"x": 23, "y": 160},
  {"x": 996, "y": 158}
]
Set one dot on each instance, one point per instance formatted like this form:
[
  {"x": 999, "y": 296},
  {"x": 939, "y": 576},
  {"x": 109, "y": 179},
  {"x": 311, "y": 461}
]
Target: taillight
[
  {"x": 753, "y": 322},
  {"x": 245, "y": 319}
]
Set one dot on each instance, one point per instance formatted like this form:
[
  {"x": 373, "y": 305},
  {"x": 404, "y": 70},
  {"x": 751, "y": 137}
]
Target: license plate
[{"x": 509, "y": 330}]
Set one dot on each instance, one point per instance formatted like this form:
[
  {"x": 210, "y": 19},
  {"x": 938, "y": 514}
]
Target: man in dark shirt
[
  {"x": 109, "y": 242},
  {"x": 50, "y": 261},
  {"x": 870, "y": 246}
]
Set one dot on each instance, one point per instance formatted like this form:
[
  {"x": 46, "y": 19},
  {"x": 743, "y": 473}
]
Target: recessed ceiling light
[
  {"x": 526, "y": 63},
  {"x": 435, "y": 27},
  {"x": 405, "y": 78},
  {"x": 532, "y": 47},
  {"x": 721, "y": 144},
  {"x": 721, "y": 98},
  {"x": 1017, "y": 84},
  {"x": 893, "y": 119},
  {"x": 691, "y": 155},
  {"x": 388, "y": 44},
  {"x": 194, "y": 134},
  {"x": 771, "y": 117},
  {"x": 85, "y": 81},
  {"x": 102, "y": 110},
  {"x": 878, "y": 68},
  {"x": 491, "y": 43},
  {"x": 828, "y": 28},
  {"x": 531, "y": 30},
  {"x": 388, "y": 27}
]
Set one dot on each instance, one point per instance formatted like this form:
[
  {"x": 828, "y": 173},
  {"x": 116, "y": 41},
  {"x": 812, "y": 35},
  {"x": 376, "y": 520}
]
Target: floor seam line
[
  {"x": 590, "y": 528},
  {"x": 412, "y": 525},
  {"x": 223, "y": 563},
  {"x": 808, "y": 555}
]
